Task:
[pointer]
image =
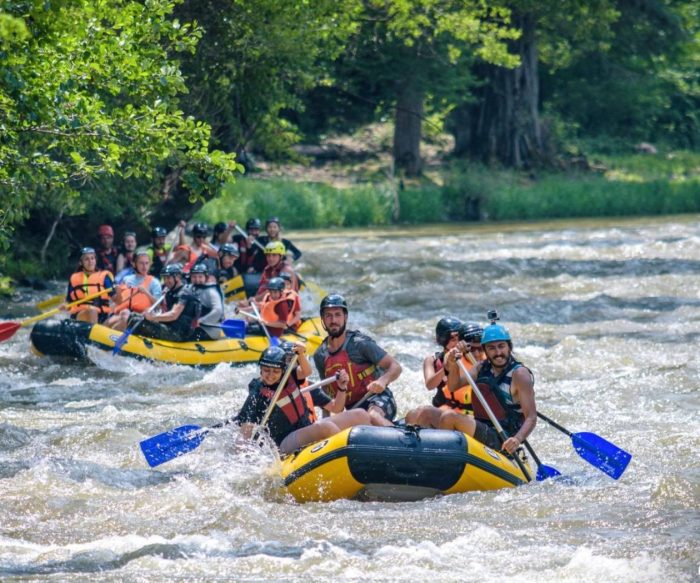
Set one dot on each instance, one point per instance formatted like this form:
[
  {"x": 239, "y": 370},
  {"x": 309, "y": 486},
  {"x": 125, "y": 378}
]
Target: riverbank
[{"x": 347, "y": 183}]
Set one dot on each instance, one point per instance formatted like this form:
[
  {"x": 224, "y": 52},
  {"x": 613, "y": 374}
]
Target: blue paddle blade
[
  {"x": 544, "y": 472},
  {"x": 233, "y": 328},
  {"x": 167, "y": 446},
  {"x": 121, "y": 341},
  {"x": 274, "y": 341},
  {"x": 606, "y": 456}
]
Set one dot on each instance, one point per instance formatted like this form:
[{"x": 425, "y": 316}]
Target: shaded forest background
[{"x": 137, "y": 112}]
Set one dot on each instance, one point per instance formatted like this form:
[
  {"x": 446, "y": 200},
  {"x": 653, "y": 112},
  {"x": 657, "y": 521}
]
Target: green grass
[{"x": 623, "y": 186}]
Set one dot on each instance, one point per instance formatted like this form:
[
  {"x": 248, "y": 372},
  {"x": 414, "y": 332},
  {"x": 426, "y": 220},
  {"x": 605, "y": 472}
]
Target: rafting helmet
[
  {"x": 272, "y": 220},
  {"x": 105, "y": 230},
  {"x": 220, "y": 228},
  {"x": 253, "y": 224},
  {"x": 200, "y": 268},
  {"x": 172, "y": 269},
  {"x": 275, "y": 284},
  {"x": 333, "y": 301},
  {"x": 158, "y": 232},
  {"x": 470, "y": 332},
  {"x": 200, "y": 230},
  {"x": 275, "y": 248},
  {"x": 87, "y": 251},
  {"x": 495, "y": 333},
  {"x": 274, "y": 357},
  {"x": 444, "y": 329},
  {"x": 229, "y": 249}
]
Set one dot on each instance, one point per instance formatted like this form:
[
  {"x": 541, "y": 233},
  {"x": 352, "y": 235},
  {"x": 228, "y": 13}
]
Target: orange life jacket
[
  {"x": 134, "y": 299},
  {"x": 81, "y": 284},
  {"x": 270, "y": 312},
  {"x": 360, "y": 374},
  {"x": 459, "y": 400}
]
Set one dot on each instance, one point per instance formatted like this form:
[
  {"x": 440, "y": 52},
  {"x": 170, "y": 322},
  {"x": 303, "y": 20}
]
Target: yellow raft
[
  {"x": 396, "y": 464},
  {"x": 71, "y": 338}
]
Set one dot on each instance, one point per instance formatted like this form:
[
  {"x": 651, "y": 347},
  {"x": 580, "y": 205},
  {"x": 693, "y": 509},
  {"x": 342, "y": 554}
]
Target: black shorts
[
  {"x": 487, "y": 435},
  {"x": 385, "y": 401}
]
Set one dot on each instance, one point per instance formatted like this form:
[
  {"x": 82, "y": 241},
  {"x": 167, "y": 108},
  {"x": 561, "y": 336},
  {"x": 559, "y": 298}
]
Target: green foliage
[{"x": 89, "y": 105}]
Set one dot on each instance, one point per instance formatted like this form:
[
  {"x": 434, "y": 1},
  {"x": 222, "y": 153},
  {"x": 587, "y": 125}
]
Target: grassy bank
[{"x": 620, "y": 186}]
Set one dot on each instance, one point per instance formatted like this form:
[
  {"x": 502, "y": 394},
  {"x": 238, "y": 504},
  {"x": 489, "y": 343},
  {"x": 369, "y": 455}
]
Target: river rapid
[{"x": 607, "y": 314}]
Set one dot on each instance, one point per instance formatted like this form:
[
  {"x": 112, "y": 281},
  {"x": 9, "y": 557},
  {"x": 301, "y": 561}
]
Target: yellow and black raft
[
  {"x": 395, "y": 464},
  {"x": 70, "y": 338}
]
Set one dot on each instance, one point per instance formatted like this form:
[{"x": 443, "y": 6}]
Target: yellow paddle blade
[
  {"x": 234, "y": 289},
  {"x": 50, "y": 303}
]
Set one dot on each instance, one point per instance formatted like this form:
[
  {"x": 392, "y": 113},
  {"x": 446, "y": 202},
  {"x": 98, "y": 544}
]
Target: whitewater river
[{"x": 607, "y": 314}]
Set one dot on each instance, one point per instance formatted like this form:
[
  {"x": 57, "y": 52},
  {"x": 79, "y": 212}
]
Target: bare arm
[
  {"x": 523, "y": 388},
  {"x": 337, "y": 405},
  {"x": 432, "y": 377},
  {"x": 169, "y": 316},
  {"x": 392, "y": 371}
]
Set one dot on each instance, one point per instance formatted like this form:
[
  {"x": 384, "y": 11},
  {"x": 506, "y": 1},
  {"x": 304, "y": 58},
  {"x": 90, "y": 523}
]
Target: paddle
[
  {"x": 255, "y": 241},
  {"x": 233, "y": 328},
  {"x": 167, "y": 446},
  {"x": 121, "y": 341},
  {"x": 492, "y": 417},
  {"x": 49, "y": 303},
  {"x": 234, "y": 289},
  {"x": 8, "y": 329},
  {"x": 543, "y": 471},
  {"x": 273, "y": 340},
  {"x": 599, "y": 452}
]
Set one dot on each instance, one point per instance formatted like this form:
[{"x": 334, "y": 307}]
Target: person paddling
[
  {"x": 273, "y": 228},
  {"x": 506, "y": 384},
  {"x": 86, "y": 281},
  {"x": 289, "y": 424},
  {"x": 369, "y": 366}
]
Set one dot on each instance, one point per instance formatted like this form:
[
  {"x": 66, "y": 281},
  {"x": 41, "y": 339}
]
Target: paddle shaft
[
  {"x": 492, "y": 417},
  {"x": 50, "y": 313},
  {"x": 129, "y": 331},
  {"x": 255, "y": 241},
  {"x": 555, "y": 424},
  {"x": 278, "y": 392}
]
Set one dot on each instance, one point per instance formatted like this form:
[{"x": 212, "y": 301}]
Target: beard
[{"x": 336, "y": 333}]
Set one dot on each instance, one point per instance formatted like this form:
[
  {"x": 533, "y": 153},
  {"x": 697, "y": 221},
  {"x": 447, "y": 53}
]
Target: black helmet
[
  {"x": 200, "y": 268},
  {"x": 272, "y": 220},
  {"x": 276, "y": 283},
  {"x": 229, "y": 249},
  {"x": 444, "y": 329},
  {"x": 172, "y": 269},
  {"x": 285, "y": 276},
  {"x": 470, "y": 332},
  {"x": 333, "y": 301},
  {"x": 253, "y": 224},
  {"x": 287, "y": 346},
  {"x": 158, "y": 232},
  {"x": 200, "y": 229},
  {"x": 220, "y": 228},
  {"x": 274, "y": 357}
]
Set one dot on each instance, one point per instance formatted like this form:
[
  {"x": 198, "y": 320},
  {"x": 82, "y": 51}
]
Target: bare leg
[
  {"x": 90, "y": 315},
  {"x": 463, "y": 423},
  {"x": 377, "y": 417},
  {"x": 424, "y": 416},
  {"x": 350, "y": 419},
  {"x": 305, "y": 435}
]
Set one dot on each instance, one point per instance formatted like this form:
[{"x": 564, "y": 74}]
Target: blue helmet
[{"x": 495, "y": 333}]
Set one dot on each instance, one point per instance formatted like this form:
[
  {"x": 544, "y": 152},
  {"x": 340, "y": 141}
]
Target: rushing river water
[{"x": 606, "y": 314}]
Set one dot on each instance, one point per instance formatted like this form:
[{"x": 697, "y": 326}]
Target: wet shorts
[
  {"x": 385, "y": 401},
  {"x": 487, "y": 435}
]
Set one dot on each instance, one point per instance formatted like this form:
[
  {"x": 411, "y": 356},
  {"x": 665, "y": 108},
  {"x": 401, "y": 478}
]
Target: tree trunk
[
  {"x": 407, "y": 130},
  {"x": 503, "y": 125}
]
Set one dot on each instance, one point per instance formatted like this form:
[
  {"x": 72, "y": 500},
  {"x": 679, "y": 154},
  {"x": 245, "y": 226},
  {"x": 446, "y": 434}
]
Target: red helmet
[{"x": 105, "y": 230}]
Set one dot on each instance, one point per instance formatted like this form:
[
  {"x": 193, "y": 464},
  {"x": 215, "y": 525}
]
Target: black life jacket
[{"x": 497, "y": 393}]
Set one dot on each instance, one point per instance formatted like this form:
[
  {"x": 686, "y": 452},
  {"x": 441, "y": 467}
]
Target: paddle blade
[
  {"x": 544, "y": 472},
  {"x": 233, "y": 328},
  {"x": 167, "y": 446},
  {"x": 602, "y": 454},
  {"x": 8, "y": 329},
  {"x": 274, "y": 341},
  {"x": 121, "y": 341}
]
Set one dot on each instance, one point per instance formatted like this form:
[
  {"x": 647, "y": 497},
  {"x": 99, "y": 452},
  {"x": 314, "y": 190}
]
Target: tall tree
[
  {"x": 255, "y": 59},
  {"x": 414, "y": 54},
  {"x": 89, "y": 109},
  {"x": 500, "y": 121}
]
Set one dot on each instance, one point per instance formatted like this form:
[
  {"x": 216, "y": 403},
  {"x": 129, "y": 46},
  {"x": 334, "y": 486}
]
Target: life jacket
[
  {"x": 81, "y": 284},
  {"x": 361, "y": 375},
  {"x": 276, "y": 310},
  {"x": 295, "y": 308},
  {"x": 309, "y": 402},
  {"x": 459, "y": 400},
  {"x": 249, "y": 257},
  {"x": 291, "y": 403},
  {"x": 269, "y": 272},
  {"x": 158, "y": 258},
  {"x": 134, "y": 299},
  {"x": 107, "y": 258},
  {"x": 496, "y": 390},
  {"x": 171, "y": 298},
  {"x": 189, "y": 317}
]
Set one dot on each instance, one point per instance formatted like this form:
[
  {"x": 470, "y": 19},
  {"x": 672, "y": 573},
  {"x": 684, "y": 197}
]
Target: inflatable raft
[
  {"x": 70, "y": 338},
  {"x": 395, "y": 464}
]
